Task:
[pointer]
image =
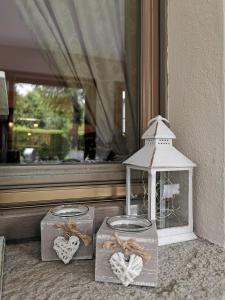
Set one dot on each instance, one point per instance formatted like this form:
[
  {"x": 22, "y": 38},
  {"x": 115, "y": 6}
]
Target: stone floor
[{"x": 191, "y": 270}]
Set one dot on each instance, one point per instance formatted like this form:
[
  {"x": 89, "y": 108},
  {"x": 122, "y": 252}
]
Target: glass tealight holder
[{"x": 66, "y": 221}]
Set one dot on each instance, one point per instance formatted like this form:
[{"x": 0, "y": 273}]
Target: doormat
[{"x": 2, "y": 250}]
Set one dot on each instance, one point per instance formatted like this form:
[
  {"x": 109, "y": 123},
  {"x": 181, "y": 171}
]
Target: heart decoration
[
  {"x": 66, "y": 248},
  {"x": 126, "y": 270}
]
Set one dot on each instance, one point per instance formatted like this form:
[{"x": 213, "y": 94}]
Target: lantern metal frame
[{"x": 144, "y": 157}]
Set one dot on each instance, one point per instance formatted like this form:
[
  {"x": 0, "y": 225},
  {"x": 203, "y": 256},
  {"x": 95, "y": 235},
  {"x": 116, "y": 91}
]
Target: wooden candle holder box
[
  {"x": 147, "y": 239},
  {"x": 50, "y": 231}
]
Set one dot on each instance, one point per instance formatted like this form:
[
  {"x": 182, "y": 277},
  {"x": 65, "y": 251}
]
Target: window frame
[{"x": 109, "y": 177}]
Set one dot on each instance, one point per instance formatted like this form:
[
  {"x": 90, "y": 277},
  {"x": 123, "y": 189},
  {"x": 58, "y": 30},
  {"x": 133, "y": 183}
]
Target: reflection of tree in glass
[{"x": 50, "y": 108}]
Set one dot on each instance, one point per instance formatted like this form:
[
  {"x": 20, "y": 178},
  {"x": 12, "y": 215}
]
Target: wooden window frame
[{"x": 20, "y": 185}]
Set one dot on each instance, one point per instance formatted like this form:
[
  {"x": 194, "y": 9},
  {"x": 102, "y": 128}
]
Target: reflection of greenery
[
  {"x": 43, "y": 152},
  {"x": 52, "y": 108},
  {"x": 37, "y": 130},
  {"x": 50, "y": 144}
]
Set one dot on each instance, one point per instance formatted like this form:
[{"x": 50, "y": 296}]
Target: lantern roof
[
  {"x": 158, "y": 151},
  {"x": 157, "y": 129}
]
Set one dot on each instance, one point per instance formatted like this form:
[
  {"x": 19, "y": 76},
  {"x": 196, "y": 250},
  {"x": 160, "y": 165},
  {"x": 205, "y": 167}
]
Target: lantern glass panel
[
  {"x": 172, "y": 194},
  {"x": 139, "y": 192}
]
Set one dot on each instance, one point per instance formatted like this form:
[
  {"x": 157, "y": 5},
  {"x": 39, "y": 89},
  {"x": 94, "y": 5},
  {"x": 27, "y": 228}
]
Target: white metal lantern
[{"x": 159, "y": 184}]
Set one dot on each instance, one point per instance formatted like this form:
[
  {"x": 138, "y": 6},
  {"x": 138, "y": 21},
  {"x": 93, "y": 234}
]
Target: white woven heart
[
  {"x": 126, "y": 271},
  {"x": 66, "y": 249}
]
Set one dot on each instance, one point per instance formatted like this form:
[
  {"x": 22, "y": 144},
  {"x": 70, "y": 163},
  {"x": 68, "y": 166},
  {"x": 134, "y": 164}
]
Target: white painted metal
[
  {"x": 158, "y": 129},
  {"x": 149, "y": 194},
  {"x": 158, "y": 155},
  {"x": 176, "y": 238},
  {"x": 174, "y": 230},
  {"x": 162, "y": 220},
  {"x": 153, "y": 195},
  {"x": 190, "y": 197},
  {"x": 128, "y": 192},
  {"x": 158, "y": 151}
]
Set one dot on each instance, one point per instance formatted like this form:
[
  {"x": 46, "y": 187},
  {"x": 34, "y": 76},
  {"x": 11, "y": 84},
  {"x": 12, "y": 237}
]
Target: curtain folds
[{"x": 86, "y": 44}]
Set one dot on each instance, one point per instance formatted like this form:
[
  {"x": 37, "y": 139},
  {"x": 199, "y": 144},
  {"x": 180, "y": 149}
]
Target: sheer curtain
[{"x": 90, "y": 43}]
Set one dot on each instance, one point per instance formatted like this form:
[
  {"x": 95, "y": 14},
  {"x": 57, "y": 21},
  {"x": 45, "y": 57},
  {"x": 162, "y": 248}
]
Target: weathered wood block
[
  {"x": 50, "y": 231},
  {"x": 2, "y": 252},
  {"x": 147, "y": 239}
]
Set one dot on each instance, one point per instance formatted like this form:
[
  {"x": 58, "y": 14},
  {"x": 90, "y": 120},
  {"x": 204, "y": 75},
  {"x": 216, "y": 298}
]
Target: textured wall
[{"x": 196, "y": 103}]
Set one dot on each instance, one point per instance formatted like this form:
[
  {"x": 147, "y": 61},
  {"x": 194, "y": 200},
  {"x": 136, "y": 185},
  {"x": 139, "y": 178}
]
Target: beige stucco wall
[{"x": 196, "y": 103}]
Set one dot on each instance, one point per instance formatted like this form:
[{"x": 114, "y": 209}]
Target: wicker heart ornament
[
  {"x": 66, "y": 248},
  {"x": 126, "y": 270}
]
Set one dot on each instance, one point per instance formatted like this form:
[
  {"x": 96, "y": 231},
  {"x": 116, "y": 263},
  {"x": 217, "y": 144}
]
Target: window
[
  {"x": 102, "y": 53},
  {"x": 72, "y": 69}
]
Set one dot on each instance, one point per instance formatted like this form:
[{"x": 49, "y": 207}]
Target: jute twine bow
[
  {"x": 71, "y": 229},
  {"x": 126, "y": 246}
]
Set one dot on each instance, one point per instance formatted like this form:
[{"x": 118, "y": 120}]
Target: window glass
[
  {"x": 139, "y": 192},
  {"x": 72, "y": 74},
  {"x": 172, "y": 199}
]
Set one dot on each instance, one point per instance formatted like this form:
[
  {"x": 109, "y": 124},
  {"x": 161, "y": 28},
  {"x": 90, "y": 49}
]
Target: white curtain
[{"x": 84, "y": 42}]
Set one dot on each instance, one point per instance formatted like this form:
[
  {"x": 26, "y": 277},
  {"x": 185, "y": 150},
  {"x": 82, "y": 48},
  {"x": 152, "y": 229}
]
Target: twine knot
[
  {"x": 71, "y": 229},
  {"x": 127, "y": 246}
]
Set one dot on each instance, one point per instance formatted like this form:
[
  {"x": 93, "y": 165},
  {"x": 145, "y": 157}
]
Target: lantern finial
[
  {"x": 157, "y": 129},
  {"x": 157, "y": 118}
]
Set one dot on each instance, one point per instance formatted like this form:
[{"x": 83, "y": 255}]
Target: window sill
[
  {"x": 41, "y": 185},
  {"x": 27, "y": 176}
]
